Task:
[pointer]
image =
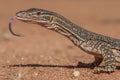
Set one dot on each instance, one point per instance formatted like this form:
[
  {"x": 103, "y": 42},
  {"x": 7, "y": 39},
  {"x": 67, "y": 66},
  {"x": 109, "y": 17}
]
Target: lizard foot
[{"x": 107, "y": 69}]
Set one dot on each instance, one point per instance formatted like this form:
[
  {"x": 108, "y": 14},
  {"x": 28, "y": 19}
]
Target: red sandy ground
[{"x": 47, "y": 55}]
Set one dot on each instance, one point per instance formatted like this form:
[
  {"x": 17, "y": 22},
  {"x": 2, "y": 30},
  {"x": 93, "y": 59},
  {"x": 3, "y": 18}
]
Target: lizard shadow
[{"x": 79, "y": 65}]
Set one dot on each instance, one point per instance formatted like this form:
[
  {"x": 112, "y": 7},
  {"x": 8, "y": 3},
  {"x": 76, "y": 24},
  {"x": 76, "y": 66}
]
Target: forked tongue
[{"x": 10, "y": 26}]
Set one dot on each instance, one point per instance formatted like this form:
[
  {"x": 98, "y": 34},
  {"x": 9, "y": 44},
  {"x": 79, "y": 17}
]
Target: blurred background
[{"x": 42, "y": 46}]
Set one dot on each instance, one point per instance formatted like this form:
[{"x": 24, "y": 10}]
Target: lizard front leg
[{"x": 109, "y": 60}]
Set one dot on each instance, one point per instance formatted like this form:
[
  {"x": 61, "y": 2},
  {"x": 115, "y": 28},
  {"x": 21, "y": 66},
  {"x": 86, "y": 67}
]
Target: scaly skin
[{"x": 103, "y": 48}]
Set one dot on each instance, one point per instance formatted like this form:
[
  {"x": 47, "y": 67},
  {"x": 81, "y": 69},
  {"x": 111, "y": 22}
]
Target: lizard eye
[{"x": 38, "y": 13}]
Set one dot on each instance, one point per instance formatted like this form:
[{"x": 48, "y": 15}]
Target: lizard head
[
  {"x": 35, "y": 15},
  {"x": 38, "y": 16}
]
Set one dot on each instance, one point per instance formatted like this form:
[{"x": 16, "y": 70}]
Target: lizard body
[{"x": 103, "y": 48}]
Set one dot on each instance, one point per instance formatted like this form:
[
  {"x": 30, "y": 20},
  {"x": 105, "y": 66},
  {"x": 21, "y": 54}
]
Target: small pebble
[
  {"x": 76, "y": 73},
  {"x": 7, "y": 61},
  {"x": 22, "y": 58},
  {"x": 36, "y": 74}
]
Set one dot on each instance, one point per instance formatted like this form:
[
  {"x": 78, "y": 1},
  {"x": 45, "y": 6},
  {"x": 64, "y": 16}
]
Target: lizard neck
[{"x": 65, "y": 27}]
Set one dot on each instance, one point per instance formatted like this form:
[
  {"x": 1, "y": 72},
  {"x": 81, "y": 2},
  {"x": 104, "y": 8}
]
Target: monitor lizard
[{"x": 105, "y": 49}]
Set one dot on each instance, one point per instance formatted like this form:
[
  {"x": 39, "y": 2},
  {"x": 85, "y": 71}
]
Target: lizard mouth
[
  {"x": 23, "y": 19},
  {"x": 20, "y": 18}
]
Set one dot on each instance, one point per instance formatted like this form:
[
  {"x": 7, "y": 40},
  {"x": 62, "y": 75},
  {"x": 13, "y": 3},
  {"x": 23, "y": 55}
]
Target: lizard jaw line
[{"x": 20, "y": 18}]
